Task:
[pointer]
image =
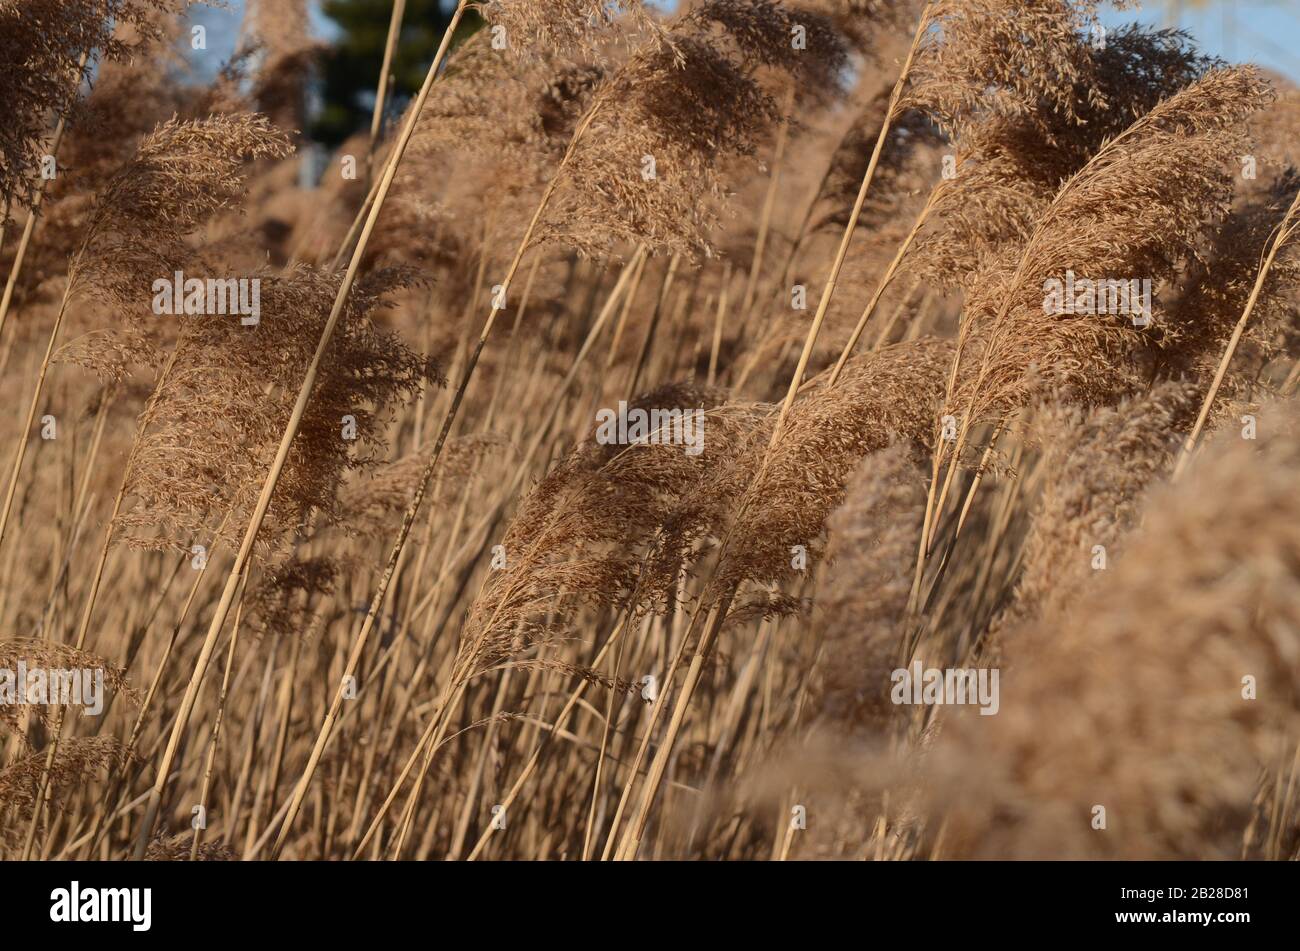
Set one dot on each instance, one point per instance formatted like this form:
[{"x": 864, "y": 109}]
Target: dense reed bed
[{"x": 596, "y": 464}]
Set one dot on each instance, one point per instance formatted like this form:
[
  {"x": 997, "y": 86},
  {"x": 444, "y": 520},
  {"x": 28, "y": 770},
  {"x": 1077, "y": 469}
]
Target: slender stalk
[
  {"x": 832, "y": 279},
  {"x": 291, "y": 430},
  {"x": 381, "y": 93},
  {"x": 769, "y": 203},
  {"x": 21, "y": 452},
  {"x": 659, "y": 765},
  {"x": 881, "y": 287},
  {"x": 376, "y": 605},
  {"x": 206, "y": 789},
  {"x": 1285, "y": 230},
  {"x": 646, "y": 342},
  {"x": 719, "y": 321}
]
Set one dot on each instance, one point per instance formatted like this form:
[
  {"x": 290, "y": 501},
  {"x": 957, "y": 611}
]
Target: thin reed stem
[{"x": 1283, "y": 233}]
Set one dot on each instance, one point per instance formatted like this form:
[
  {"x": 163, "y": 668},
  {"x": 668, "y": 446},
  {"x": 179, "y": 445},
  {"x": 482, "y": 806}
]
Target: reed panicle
[
  {"x": 541, "y": 27},
  {"x": 49, "y": 47},
  {"x": 649, "y": 168},
  {"x": 1136, "y": 210},
  {"x": 1009, "y": 162},
  {"x": 48, "y": 656},
  {"x": 181, "y": 174},
  {"x": 176, "y": 848},
  {"x": 373, "y": 502},
  {"x": 882, "y": 397},
  {"x": 280, "y": 32},
  {"x": 26, "y": 780},
  {"x": 861, "y": 22},
  {"x": 585, "y": 532},
  {"x": 958, "y": 76},
  {"x": 1209, "y": 297},
  {"x": 286, "y": 601},
  {"x": 230, "y": 384}
]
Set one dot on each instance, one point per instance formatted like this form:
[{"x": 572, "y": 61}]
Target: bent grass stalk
[
  {"x": 408, "y": 520},
  {"x": 20, "y": 453},
  {"x": 381, "y": 93},
  {"x": 935, "y": 503},
  {"x": 282, "y": 454},
  {"x": 769, "y": 202},
  {"x": 883, "y": 285},
  {"x": 219, "y": 718},
  {"x": 1284, "y": 232},
  {"x": 660, "y": 763}
]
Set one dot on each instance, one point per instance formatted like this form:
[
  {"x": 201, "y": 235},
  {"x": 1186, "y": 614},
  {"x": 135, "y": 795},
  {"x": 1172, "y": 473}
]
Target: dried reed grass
[{"x": 482, "y": 607}]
